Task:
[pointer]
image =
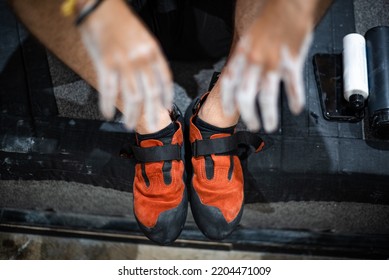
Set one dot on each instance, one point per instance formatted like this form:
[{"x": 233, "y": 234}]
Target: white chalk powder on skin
[
  {"x": 292, "y": 74},
  {"x": 141, "y": 51},
  {"x": 148, "y": 86},
  {"x": 244, "y": 83},
  {"x": 231, "y": 81},
  {"x": 108, "y": 85},
  {"x": 246, "y": 97},
  {"x": 268, "y": 100},
  {"x": 133, "y": 100}
]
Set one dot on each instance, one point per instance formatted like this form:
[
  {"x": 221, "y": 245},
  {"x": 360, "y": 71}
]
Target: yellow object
[{"x": 68, "y": 7}]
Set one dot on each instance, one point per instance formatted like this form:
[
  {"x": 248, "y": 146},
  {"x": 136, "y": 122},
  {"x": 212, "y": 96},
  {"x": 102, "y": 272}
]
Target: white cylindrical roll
[{"x": 355, "y": 66}]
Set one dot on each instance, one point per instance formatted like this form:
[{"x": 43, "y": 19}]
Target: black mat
[{"x": 309, "y": 158}]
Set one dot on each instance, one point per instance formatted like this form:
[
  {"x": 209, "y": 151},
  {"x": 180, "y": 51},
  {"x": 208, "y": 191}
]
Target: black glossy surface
[{"x": 329, "y": 79}]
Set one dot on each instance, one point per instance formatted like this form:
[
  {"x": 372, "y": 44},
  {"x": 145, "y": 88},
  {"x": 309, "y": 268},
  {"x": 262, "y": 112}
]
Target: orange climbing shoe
[
  {"x": 160, "y": 196},
  {"x": 216, "y": 185}
]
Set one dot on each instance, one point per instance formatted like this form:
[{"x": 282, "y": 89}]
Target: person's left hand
[{"x": 273, "y": 49}]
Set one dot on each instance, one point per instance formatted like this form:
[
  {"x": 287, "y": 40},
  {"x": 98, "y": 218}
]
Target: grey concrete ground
[
  {"x": 339, "y": 217},
  {"x": 76, "y": 99}
]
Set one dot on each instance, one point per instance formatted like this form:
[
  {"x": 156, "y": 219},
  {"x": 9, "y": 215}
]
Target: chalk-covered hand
[
  {"x": 129, "y": 61},
  {"x": 273, "y": 49}
]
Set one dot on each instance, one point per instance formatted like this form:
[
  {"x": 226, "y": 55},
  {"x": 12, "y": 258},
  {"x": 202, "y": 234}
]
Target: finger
[
  {"x": 164, "y": 81},
  {"x": 246, "y": 97},
  {"x": 108, "y": 89},
  {"x": 268, "y": 101},
  {"x": 151, "y": 93},
  {"x": 305, "y": 46},
  {"x": 132, "y": 98},
  {"x": 292, "y": 74},
  {"x": 294, "y": 84},
  {"x": 230, "y": 81}
]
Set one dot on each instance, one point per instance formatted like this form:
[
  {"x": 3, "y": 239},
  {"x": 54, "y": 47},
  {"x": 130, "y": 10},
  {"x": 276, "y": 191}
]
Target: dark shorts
[{"x": 189, "y": 29}]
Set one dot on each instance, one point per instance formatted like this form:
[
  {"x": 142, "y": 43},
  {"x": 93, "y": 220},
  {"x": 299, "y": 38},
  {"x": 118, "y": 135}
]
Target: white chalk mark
[
  {"x": 268, "y": 100},
  {"x": 230, "y": 82},
  {"x": 246, "y": 97},
  {"x": 108, "y": 89}
]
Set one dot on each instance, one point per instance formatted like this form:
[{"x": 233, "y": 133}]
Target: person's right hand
[{"x": 128, "y": 60}]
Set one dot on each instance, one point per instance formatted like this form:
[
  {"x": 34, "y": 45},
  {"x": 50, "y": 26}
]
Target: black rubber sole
[{"x": 169, "y": 225}]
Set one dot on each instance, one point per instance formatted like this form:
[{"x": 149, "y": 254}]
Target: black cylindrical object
[{"x": 377, "y": 50}]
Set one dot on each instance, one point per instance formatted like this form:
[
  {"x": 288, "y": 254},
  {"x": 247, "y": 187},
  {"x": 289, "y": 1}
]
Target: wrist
[
  {"x": 81, "y": 9},
  {"x": 303, "y": 7}
]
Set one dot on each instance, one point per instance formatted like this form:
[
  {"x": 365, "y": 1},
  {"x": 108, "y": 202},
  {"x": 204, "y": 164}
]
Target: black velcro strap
[
  {"x": 225, "y": 145},
  {"x": 158, "y": 153}
]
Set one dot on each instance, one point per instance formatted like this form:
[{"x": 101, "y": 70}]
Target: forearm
[
  {"x": 314, "y": 9},
  {"x": 321, "y": 6}
]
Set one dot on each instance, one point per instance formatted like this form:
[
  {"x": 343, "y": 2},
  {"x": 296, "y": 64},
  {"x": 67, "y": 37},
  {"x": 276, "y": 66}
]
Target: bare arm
[{"x": 112, "y": 50}]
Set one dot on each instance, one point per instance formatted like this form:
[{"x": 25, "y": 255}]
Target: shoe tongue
[
  {"x": 207, "y": 130},
  {"x": 163, "y": 136}
]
